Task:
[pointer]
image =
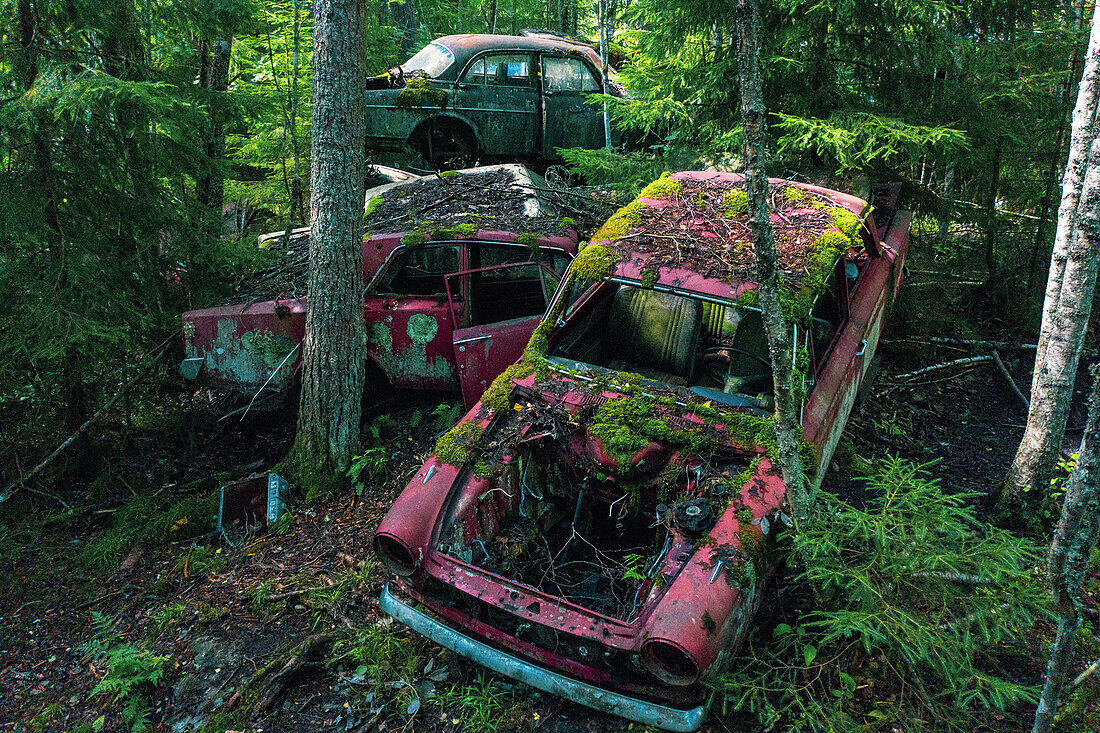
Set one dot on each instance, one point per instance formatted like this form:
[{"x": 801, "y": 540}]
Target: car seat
[{"x": 654, "y": 334}]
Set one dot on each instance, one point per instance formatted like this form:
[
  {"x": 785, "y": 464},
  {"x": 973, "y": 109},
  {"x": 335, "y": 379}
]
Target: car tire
[{"x": 445, "y": 145}]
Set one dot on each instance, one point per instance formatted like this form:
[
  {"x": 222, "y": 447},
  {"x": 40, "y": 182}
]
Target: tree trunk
[
  {"x": 767, "y": 265},
  {"x": 215, "y": 146},
  {"x": 1067, "y": 307},
  {"x": 1074, "y": 540},
  {"x": 601, "y": 8},
  {"x": 335, "y": 338}
]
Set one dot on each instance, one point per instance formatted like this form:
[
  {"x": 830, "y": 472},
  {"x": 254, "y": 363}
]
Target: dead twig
[
  {"x": 1011, "y": 382},
  {"x": 945, "y": 365},
  {"x": 164, "y": 348}
]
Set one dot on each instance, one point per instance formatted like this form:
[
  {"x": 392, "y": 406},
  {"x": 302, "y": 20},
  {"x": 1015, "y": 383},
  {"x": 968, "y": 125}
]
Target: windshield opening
[
  {"x": 432, "y": 60},
  {"x": 717, "y": 350}
]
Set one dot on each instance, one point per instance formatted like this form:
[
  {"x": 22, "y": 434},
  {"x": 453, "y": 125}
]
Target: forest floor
[{"x": 282, "y": 631}]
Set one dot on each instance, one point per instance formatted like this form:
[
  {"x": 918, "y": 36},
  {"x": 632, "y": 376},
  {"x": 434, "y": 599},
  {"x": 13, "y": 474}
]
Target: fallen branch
[
  {"x": 1011, "y": 381},
  {"x": 945, "y": 365},
  {"x": 1089, "y": 671},
  {"x": 164, "y": 348},
  {"x": 303, "y": 656}
]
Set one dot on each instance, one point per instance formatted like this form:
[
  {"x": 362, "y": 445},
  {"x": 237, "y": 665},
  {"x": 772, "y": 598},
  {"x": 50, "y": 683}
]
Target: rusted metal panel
[{"x": 256, "y": 501}]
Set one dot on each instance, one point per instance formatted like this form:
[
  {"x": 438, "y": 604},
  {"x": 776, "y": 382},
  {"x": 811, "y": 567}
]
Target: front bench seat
[{"x": 653, "y": 334}]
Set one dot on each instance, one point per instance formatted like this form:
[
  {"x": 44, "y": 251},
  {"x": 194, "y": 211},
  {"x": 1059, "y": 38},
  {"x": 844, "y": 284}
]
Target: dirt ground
[{"x": 239, "y": 617}]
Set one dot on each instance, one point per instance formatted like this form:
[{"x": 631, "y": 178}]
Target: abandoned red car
[
  {"x": 447, "y": 304},
  {"x": 600, "y": 525}
]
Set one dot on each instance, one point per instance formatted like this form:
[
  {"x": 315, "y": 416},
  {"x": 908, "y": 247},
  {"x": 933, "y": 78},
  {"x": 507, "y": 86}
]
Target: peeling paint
[
  {"x": 413, "y": 363},
  {"x": 249, "y": 358}
]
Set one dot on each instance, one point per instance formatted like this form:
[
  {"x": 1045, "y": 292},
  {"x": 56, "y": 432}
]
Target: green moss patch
[
  {"x": 414, "y": 239},
  {"x": 662, "y": 188},
  {"x": 735, "y": 203},
  {"x": 595, "y": 262},
  {"x": 620, "y": 224},
  {"x": 454, "y": 446},
  {"x": 419, "y": 93},
  {"x": 372, "y": 204}
]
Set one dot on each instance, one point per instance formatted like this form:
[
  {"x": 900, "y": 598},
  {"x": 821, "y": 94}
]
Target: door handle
[
  {"x": 474, "y": 338},
  {"x": 862, "y": 347}
]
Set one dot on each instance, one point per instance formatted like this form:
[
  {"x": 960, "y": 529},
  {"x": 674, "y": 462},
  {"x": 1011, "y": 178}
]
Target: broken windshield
[
  {"x": 715, "y": 348},
  {"x": 433, "y": 60}
]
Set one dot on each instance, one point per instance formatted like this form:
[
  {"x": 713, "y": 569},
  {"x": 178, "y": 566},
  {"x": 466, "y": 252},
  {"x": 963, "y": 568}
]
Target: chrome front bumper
[{"x": 639, "y": 711}]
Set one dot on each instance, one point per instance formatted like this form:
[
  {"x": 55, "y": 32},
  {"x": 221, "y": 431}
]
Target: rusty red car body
[
  {"x": 410, "y": 330},
  {"x": 547, "y": 465}
]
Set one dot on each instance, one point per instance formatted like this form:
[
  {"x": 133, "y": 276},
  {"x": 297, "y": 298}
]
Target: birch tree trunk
[
  {"x": 1074, "y": 540},
  {"x": 767, "y": 265},
  {"x": 335, "y": 338},
  {"x": 1067, "y": 306}
]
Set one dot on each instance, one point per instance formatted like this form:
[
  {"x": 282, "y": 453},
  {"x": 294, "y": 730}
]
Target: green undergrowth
[
  {"x": 479, "y": 707},
  {"x": 917, "y": 601},
  {"x": 148, "y": 520},
  {"x": 132, "y": 672}
]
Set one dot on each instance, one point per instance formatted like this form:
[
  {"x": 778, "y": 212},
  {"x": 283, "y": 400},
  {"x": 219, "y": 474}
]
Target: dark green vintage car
[{"x": 467, "y": 97}]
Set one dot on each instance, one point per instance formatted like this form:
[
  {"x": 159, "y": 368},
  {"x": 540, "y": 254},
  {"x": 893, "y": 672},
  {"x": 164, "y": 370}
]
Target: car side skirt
[{"x": 546, "y": 680}]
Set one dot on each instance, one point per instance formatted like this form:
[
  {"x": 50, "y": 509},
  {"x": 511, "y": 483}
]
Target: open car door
[{"x": 504, "y": 305}]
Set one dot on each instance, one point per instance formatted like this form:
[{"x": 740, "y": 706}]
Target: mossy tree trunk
[
  {"x": 1068, "y": 303},
  {"x": 767, "y": 264},
  {"x": 1070, "y": 550},
  {"x": 335, "y": 338}
]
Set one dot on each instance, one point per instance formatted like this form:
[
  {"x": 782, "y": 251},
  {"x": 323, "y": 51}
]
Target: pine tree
[{"x": 333, "y": 368}]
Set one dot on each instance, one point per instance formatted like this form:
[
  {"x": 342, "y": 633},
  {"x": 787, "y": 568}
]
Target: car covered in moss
[
  {"x": 450, "y": 301},
  {"x": 471, "y": 96},
  {"x": 601, "y": 524}
]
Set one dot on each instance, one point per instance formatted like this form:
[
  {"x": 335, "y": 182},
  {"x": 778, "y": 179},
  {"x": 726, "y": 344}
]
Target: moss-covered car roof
[{"x": 690, "y": 230}]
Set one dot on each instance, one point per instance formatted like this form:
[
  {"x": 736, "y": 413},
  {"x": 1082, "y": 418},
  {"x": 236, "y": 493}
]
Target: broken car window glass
[
  {"x": 432, "y": 60},
  {"x": 567, "y": 75},
  {"x": 505, "y": 293},
  {"x": 419, "y": 271}
]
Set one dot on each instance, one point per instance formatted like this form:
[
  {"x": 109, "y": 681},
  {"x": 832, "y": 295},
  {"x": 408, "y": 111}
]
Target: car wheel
[{"x": 446, "y": 146}]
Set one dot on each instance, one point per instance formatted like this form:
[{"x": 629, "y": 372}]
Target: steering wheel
[{"x": 718, "y": 369}]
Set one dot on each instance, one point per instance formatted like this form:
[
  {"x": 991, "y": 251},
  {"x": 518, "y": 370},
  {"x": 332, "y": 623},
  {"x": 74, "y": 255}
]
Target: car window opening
[{"x": 719, "y": 350}]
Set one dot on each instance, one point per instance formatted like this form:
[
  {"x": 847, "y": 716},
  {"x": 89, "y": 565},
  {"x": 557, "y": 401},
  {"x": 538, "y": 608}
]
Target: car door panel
[
  {"x": 498, "y": 94},
  {"x": 490, "y": 334},
  {"x": 834, "y": 394},
  {"x": 567, "y": 120}
]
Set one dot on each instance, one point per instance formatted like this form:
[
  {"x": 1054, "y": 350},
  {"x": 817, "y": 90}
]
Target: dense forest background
[
  {"x": 121, "y": 142},
  {"x": 144, "y": 146}
]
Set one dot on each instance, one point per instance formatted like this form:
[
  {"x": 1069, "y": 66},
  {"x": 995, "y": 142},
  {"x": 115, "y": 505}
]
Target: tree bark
[
  {"x": 767, "y": 267},
  {"x": 1070, "y": 550},
  {"x": 215, "y": 59},
  {"x": 1068, "y": 303},
  {"x": 335, "y": 338}
]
